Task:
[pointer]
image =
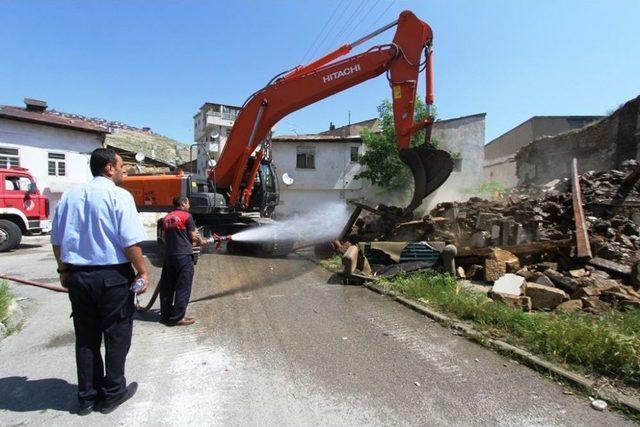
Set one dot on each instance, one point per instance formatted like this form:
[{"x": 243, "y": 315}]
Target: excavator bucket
[{"x": 430, "y": 168}]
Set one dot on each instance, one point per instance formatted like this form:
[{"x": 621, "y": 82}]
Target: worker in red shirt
[{"x": 180, "y": 236}]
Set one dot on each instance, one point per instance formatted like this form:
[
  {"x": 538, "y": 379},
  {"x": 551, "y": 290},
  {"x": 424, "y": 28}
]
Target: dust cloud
[{"x": 324, "y": 223}]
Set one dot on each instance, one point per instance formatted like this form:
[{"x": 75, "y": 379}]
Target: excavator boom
[{"x": 329, "y": 75}]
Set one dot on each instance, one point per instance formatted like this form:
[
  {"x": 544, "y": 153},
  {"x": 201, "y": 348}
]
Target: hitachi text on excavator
[{"x": 240, "y": 190}]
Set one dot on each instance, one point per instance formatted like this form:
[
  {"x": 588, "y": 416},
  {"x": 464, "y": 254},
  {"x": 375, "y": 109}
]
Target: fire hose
[
  {"x": 37, "y": 284},
  {"x": 213, "y": 239}
]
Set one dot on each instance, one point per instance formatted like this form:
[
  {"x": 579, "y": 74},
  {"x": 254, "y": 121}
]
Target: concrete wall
[
  {"x": 510, "y": 142},
  {"x": 464, "y": 135},
  {"x": 600, "y": 146},
  {"x": 34, "y": 142},
  {"x": 536, "y": 127},
  {"x": 502, "y": 170},
  {"x": 331, "y": 180}
]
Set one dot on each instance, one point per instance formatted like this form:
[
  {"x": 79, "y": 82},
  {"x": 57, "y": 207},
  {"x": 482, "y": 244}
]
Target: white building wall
[
  {"x": 331, "y": 180},
  {"x": 333, "y": 177},
  {"x": 35, "y": 141}
]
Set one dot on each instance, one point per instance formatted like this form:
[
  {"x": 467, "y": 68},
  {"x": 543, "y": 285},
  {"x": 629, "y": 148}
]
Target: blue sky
[{"x": 153, "y": 63}]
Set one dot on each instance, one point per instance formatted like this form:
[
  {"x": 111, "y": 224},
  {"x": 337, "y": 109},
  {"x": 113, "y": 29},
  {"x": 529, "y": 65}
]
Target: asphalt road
[{"x": 278, "y": 342}]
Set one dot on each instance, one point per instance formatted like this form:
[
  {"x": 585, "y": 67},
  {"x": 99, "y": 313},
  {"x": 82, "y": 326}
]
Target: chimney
[{"x": 35, "y": 105}]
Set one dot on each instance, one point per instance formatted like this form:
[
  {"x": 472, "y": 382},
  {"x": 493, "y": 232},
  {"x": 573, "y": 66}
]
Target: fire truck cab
[{"x": 23, "y": 210}]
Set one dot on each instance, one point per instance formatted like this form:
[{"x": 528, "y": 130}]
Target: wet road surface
[{"x": 278, "y": 342}]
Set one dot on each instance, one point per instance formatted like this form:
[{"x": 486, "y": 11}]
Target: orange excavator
[{"x": 240, "y": 190}]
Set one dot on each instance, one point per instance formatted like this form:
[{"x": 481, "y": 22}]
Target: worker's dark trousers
[
  {"x": 102, "y": 305},
  {"x": 175, "y": 287}
]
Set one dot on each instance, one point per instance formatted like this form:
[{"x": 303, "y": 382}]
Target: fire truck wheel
[{"x": 10, "y": 235}]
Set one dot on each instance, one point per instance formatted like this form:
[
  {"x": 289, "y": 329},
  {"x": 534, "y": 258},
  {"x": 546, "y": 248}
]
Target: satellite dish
[
  {"x": 139, "y": 157},
  {"x": 287, "y": 179},
  {"x": 212, "y": 163},
  {"x": 215, "y": 135}
]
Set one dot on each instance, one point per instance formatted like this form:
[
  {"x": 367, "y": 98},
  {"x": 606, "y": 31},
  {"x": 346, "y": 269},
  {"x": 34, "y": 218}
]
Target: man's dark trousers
[
  {"x": 175, "y": 287},
  {"x": 102, "y": 305}
]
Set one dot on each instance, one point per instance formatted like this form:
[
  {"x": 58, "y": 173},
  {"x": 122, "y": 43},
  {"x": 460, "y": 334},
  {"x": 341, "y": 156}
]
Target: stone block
[
  {"x": 561, "y": 281},
  {"x": 585, "y": 292},
  {"x": 498, "y": 263},
  {"x": 544, "y": 297},
  {"x": 594, "y": 304},
  {"x": 580, "y": 272},
  {"x": 570, "y": 306},
  {"x": 544, "y": 280},
  {"x": 509, "y": 284},
  {"x": 516, "y": 302},
  {"x": 350, "y": 260},
  {"x": 484, "y": 220}
]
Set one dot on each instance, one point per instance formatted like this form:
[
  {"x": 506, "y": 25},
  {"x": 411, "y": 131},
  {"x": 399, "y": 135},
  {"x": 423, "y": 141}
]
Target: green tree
[{"x": 381, "y": 161}]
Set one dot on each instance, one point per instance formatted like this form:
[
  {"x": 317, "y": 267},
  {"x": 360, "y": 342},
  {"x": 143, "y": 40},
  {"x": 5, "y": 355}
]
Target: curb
[{"x": 529, "y": 359}]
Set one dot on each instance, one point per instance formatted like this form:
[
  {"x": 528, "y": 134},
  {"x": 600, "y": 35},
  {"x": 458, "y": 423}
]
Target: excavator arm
[{"x": 329, "y": 75}]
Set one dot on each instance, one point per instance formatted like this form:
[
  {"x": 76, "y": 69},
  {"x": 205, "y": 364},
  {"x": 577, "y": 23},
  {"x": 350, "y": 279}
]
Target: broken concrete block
[
  {"x": 580, "y": 272},
  {"x": 509, "y": 284},
  {"x": 570, "y": 306},
  {"x": 544, "y": 280},
  {"x": 484, "y": 220},
  {"x": 544, "y": 297},
  {"x": 498, "y": 263},
  {"x": 479, "y": 239},
  {"x": 561, "y": 281},
  {"x": 594, "y": 304},
  {"x": 585, "y": 292},
  {"x": 517, "y": 302},
  {"x": 350, "y": 260},
  {"x": 495, "y": 233}
]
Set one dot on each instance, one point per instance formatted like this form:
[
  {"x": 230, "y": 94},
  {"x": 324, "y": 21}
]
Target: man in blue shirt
[{"x": 95, "y": 235}]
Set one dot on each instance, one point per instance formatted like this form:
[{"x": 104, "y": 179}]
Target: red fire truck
[{"x": 23, "y": 210}]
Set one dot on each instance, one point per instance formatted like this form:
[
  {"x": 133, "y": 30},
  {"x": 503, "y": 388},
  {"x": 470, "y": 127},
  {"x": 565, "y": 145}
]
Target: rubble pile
[{"x": 554, "y": 278}]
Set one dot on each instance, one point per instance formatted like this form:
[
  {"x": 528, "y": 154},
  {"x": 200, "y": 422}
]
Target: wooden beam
[
  {"x": 522, "y": 249},
  {"x": 373, "y": 210},
  {"x": 582, "y": 236}
]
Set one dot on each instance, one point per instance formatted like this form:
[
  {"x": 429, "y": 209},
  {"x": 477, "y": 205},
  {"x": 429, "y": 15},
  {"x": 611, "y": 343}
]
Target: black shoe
[
  {"x": 85, "y": 410},
  {"x": 131, "y": 390}
]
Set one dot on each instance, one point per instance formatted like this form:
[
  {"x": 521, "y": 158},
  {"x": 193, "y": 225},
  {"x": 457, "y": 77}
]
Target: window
[
  {"x": 354, "y": 154},
  {"x": 306, "y": 158},
  {"x": 57, "y": 166},
  {"x": 9, "y": 158},
  {"x": 17, "y": 183}
]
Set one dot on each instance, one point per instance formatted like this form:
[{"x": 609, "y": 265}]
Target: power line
[
  {"x": 330, "y": 29},
  {"x": 348, "y": 36},
  {"x": 326, "y": 24},
  {"x": 381, "y": 16},
  {"x": 346, "y": 26}
]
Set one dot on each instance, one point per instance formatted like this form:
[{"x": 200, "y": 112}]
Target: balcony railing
[{"x": 226, "y": 116}]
